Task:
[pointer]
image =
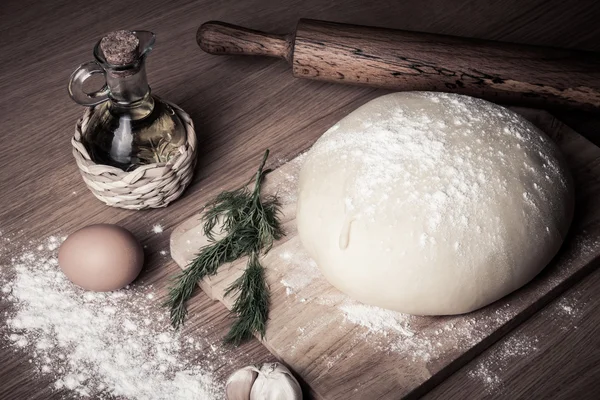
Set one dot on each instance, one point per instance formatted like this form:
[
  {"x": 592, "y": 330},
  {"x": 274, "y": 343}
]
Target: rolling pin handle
[{"x": 216, "y": 37}]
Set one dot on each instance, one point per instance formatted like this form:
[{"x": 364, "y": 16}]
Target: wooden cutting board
[{"x": 345, "y": 350}]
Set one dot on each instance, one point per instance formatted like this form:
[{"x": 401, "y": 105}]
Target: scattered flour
[
  {"x": 566, "y": 307},
  {"x": 302, "y": 271},
  {"x": 157, "y": 229},
  {"x": 377, "y": 320},
  {"x": 566, "y": 312},
  {"x": 421, "y": 339},
  {"x": 488, "y": 369},
  {"x": 99, "y": 345},
  {"x": 494, "y": 363},
  {"x": 487, "y": 377},
  {"x": 385, "y": 330}
]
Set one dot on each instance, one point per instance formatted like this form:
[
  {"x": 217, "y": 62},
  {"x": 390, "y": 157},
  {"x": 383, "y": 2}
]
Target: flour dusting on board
[
  {"x": 377, "y": 320},
  {"x": 404, "y": 334},
  {"x": 302, "y": 271},
  {"x": 385, "y": 330},
  {"x": 500, "y": 358},
  {"x": 100, "y": 344},
  {"x": 489, "y": 368}
]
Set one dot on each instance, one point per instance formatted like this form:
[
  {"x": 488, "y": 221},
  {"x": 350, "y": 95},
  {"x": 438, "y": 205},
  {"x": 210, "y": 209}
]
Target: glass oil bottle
[{"x": 129, "y": 126}]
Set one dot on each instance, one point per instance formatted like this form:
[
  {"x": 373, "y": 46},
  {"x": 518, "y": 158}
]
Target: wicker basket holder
[{"x": 148, "y": 186}]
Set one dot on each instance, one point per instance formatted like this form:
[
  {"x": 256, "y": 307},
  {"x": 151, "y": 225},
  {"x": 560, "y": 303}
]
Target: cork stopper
[{"x": 120, "y": 47}]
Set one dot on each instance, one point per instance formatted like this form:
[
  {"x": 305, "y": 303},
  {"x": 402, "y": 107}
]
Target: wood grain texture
[
  {"x": 529, "y": 364},
  {"x": 216, "y": 37},
  {"x": 308, "y": 330},
  {"x": 239, "y": 106},
  {"x": 402, "y": 60}
]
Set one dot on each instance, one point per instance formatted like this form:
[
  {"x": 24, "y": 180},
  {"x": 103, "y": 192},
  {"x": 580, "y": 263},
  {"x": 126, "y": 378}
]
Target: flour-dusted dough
[{"x": 433, "y": 203}]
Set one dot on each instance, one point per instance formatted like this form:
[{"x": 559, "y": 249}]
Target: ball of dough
[{"x": 433, "y": 203}]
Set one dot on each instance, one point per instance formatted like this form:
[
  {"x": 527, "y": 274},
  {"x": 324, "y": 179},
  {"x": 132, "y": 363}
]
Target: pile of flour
[{"x": 100, "y": 344}]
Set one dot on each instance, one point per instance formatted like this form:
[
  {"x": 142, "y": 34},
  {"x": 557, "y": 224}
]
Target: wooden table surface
[{"x": 240, "y": 107}]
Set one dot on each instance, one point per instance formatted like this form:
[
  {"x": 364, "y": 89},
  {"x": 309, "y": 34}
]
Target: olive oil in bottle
[{"x": 128, "y": 126}]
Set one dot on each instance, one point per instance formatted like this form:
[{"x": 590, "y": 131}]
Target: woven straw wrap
[{"x": 148, "y": 186}]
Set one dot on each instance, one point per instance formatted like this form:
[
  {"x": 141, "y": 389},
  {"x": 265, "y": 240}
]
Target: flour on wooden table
[
  {"x": 392, "y": 331},
  {"x": 115, "y": 344},
  {"x": 385, "y": 330},
  {"x": 492, "y": 364},
  {"x": 495, "y": 362},
  {"x": 377, "y": 320},
  {"x": 567, "y": 307},
  {"x": 566, "y": 312},
  {"x": 301, "y": 272}
]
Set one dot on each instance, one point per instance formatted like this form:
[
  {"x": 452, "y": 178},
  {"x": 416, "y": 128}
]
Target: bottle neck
[{"x": 129, "y": 92}]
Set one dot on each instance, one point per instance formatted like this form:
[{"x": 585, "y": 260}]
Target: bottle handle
[{"x": 78, "y": 77}]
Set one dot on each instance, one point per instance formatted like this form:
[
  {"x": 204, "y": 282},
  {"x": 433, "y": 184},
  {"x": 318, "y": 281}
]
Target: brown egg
[{"x": 101, "y": 257}]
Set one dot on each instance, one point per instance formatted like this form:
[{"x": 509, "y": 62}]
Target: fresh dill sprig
[
  {"x": 206, "y": 263},
  {"x": 237, "y": 223},
  {"x": 252, "y": 303}
]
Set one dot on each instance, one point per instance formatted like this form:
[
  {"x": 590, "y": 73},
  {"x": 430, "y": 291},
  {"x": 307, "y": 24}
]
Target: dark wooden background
[{"x": 240, "y": 107}]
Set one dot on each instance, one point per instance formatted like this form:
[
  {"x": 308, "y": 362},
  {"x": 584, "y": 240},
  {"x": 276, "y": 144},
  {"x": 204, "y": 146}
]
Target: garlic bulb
[
  {"x": 270, "y": 381},
  {"x": 240, "y": 383},
  {"x": 275, "y": 382}
]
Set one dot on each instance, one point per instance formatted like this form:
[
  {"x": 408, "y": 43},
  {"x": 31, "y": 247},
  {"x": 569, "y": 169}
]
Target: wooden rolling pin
[{"x": 402, "y": 60}]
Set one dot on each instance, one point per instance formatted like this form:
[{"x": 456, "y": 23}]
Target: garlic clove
[
  {"x": 239, "y": 384},
  {"x": 275, "y": 382}
]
